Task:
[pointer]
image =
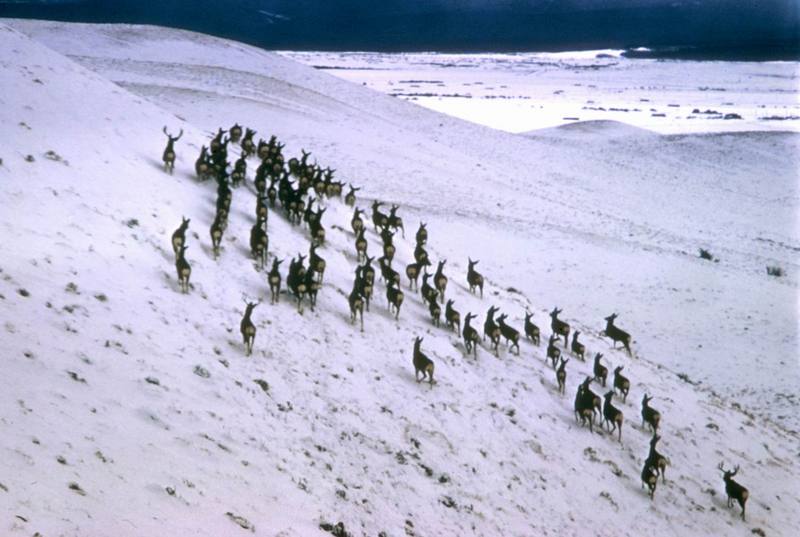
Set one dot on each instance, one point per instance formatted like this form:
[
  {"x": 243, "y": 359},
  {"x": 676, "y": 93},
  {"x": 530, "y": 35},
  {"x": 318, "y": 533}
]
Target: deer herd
[{"x": 289, "y": 182}]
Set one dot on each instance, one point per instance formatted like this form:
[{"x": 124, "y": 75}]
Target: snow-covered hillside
[{"x": 129, "y": 408}]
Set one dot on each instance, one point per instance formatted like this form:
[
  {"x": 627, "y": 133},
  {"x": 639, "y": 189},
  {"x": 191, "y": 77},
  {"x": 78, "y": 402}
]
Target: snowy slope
[{"x": 142, "y": 397}]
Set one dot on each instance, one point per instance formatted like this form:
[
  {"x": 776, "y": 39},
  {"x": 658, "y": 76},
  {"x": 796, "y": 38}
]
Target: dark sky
[{"x": 715, "y": 28}]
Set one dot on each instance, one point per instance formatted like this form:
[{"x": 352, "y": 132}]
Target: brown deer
[
  {"x": 561, "y": 376},
  {"x": 616, "y": 334},
  {"x": 600, "y": 371},
  {"x": 169, "y": 152},
  {"x": 733, "y": 489},
  {"x": 531, "y": 330},
  {"x": 422, "y": 364},
  {"x": 612, "y": 416},
  {"x": 650, "y": 415},
  {"x": 179, "y": 236},
  {"x": 474, "y": 278},
  {"x": 621, "y": 383},
  {"x": 577, "y": 347},
  {"x": 559, "y": 327},
  {"x": 183, "y": 269},
  {"x": 247, "y": 328}
]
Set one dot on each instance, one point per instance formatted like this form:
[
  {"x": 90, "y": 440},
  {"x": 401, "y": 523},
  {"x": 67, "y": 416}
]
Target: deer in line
[
  {"x": 183, "y": 269},
  {"x": 656, "y": 459},
  {"x": 394, "y": 296},
  {"x": 553, "y": 352},
  {"x": 422, "y": 234},
  {"x": 649, "y": 478},
  {"x": 315, "y": 262},
  {"x": 510, "y": 334},
  {"x": 561, "y": 376},
  {"x": 650, "y": 415},
  {"x": 169, "y": 152},
  {"x": 412, "y": 272},
  {"x": 422, "y": 364},
  {"x": 559, "y": 327},
  {"x": 259, "y": 242},
  {"x": 350, "y": 197},
  {"x": 179, "y": 236},
  {"x": 621, "y": 383},
  {"x": 474, "y": 278},
  {"x": 440, "y": 280},
  {"x": 395, "y": 222},
  {"x": 600, "y": 371},
  {"x": 531, "y": 330},
  {"x": 734, "y": 490},
  {"x": 274, "y": 280},
  {"x": 452, "y": 317},
  {"x": 612, "y": 416},
  {"x": 247, "y": 328},
  {"x": 616, "y": 334},
  {"x": 470, "y": 335},
  {"x": 356, "y": 302},
  {"x": 379, "y": 219},
  {"x": 578, "y": 349}
]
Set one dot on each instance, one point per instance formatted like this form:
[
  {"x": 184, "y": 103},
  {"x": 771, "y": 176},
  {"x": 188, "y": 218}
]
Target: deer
[
  {"x": 621, "y": 383},
  {"x": 395, "y": 222},
  {"x": 510, "y": 334},
  {"x": 452, "y": 317},
  {"x": 531, "y": 330},
  {"x": 356, "y": 303},
  {"x": 247, "y": 328},
  {"x": 239, "y": 171},
  {"x": 412, "y": 272},
  {"x": 361, "y": 245},
  {"x": 183, "y": 269},
  {"x": 274, "y": 280},
  {"x": 559, "y": 327},
  {"x": 389, "y": 275},
  {"x": 553, "y": 352},
  {"x": 436, "y": 312},
  {"x": 379, "y": 219},
  {"x": 395, "y": 298},
  {"x": 202, "y": 166},
  {"x": 428, "y": 292},
  {"x": 578, "y": 348},
  {"x": 474, "y": 278},
  {"x": 422, "y": 234},
  {"x": 420, "y": 255},
  {"x": 561, "y": 375},
  {"x": 650, "y": 415},
  {"x": 216, "y": 231},
  {"x": 649, "y": 478},
  {"x": 422, "y": 364},
  {"x": 169, "y": 152},
  {"x": 656, "y": 459},
  {"x": 350, "y": 197},
  {"x": 357, "y": 223},
  {"x": 315, "y": 262},
  {"x": 470, "y": 335},
  {"x": 439, "y": 279},
  {"x": 612, "y": 416},
  {"x": 248, "y": 147},
  {"x": 236, "y": 133},
  {"x": 584, "y": 404},
  {"x": 734, "y": 490},
  {"x": 179, "y": 236},
  {"x": 616, "y": 334},
  {"x": 600, "y": 371},
  {"x": 259, "y": 242},
  {"x": 363, "y": 284}
]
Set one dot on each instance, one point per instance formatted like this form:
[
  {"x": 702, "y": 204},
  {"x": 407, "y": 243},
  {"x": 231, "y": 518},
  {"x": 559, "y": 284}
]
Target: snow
[{"x": 102, "y": 352}]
